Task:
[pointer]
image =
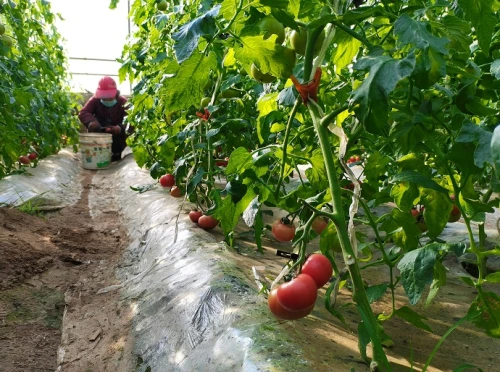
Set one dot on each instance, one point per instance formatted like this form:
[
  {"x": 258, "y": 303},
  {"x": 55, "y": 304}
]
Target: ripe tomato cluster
[
  {"x": 204, "y": 221},
  {"x": 354, "y": 159},
  {"x": 296, "y": 299},
  {"x": 26, "y": 159}
]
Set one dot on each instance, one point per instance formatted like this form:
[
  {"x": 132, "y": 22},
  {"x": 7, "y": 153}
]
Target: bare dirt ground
[{"x": 51, "y": 268}]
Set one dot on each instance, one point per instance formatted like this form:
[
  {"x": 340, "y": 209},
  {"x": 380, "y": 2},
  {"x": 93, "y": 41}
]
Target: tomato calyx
[
  {"x": 204, "y": 116},
  {"x": 309, "y": 90}
]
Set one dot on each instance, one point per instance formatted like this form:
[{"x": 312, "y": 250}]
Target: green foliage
[
  {"x": 414, "y": 86},
  {"x": 35, "y": 105}
]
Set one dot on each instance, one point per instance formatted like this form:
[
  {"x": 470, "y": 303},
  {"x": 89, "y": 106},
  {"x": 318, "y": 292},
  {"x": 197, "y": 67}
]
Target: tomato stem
[
  {"x": 359, "y": 296},
  {"x": 285, "y": 145}
]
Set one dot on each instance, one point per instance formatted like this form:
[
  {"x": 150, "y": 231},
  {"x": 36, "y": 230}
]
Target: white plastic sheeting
[
  {"x": 183, "y": 318},
  {"x": 53, "y": 184}
]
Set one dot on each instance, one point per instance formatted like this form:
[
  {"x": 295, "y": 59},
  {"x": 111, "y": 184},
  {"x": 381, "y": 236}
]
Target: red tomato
[
  {"x": 167, "y": 180},
  {"x": 283, "y": 232},
  {"x": 24, "y": 160},
  {"x": 207, "y": 222},
  {"x": 319, "y": 268},
  {"x": 32, "y": 156},
  {"x": 221, "y": 163},
  {"x": 175, "y": 192},
  {"x": 195, "y": 215},
  {"x": 415, "y": 213},
  {"x": 280, "y": 312},
  {"x": 319, "y": 225},
  {"x": 298, "y": 294},
  {"x": 358, "y": 158},
  {"x": 455, "y": 214}
]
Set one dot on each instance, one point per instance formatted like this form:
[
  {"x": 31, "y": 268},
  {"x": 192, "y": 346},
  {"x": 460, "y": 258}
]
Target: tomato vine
[
  {"x": 35, "y": 103},
  {"x": 412, "y": 86}
]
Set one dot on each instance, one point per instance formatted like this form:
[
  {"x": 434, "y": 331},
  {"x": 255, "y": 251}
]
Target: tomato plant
[
  {"x": 35, "y": 102},
  {"x": 412, "y": 88}
]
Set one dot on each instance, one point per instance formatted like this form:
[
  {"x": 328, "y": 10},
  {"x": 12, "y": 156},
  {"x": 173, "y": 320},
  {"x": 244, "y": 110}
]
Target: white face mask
[{"x": 109, "y": 103}]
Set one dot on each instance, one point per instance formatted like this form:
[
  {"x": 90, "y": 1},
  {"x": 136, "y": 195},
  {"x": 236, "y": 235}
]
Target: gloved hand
[
  {"x": 114, "y": 130},
  {"x": 94, "y": 126}
]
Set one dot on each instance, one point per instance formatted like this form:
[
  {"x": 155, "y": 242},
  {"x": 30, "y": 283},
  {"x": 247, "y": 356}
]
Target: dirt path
[{"x": 50, "y": 272}]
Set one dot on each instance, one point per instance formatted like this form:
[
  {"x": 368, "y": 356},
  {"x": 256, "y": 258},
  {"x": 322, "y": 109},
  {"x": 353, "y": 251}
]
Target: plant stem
[
  {"x": 441, "y": 340},
  {"x": 373, "y": 328},
  {"x": 354, "y": 34},
  {"x": 295, "y": 108}
]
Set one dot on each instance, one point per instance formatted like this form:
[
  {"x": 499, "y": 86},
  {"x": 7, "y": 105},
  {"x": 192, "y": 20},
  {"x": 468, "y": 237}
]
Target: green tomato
[
  {"x": 270, "y": 26},
  {"x": 230, "y": 93},
  {"x": 205, "y": 101},
  {"x": 162, "y": 5},
  {"x": 298, "y": 41},
  {"x": 2, "y": 29},
  {"x": 6, "y": 40},
  {"x": 261, "y": 77}
]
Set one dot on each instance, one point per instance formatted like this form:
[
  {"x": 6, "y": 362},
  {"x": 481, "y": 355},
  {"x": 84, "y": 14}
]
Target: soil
[{"x": 51, "y": 268}]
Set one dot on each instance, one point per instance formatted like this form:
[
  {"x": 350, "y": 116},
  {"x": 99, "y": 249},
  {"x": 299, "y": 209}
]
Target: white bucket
[{"x": 95, "y": 149}]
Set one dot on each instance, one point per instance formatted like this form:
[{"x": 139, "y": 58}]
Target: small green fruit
[
  {"x": 260, "y": 76},
  {"x": 2, "y": 29},
  {"x": 204, "y": 102},
  {"x": 6, "y": 40},
  {"x": 162, "y": 5}
]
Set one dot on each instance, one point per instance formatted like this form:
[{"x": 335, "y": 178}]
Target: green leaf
[
  {"x": 376, "y": 166},
  {"x": 468, "y": 280},
  {"x": 375, "y": 292},
  {"x": 482, "y": 16},
  {"x": 412, "y": 32},
  {"x": 495, "y": 150},
  {"x": 495, "y": 68},
  {"x": 196, "y": 180},
  {"x": 266, "y": 54},
  {"x": 417, "y": 270},
  {"x": 189, "y": 34},
  {"x": 438, "y": 282},
  {"x": 347, "y": 48},
  {"x": 482, "y": 138},
  {"x": 462, "y": 154},
  {"x": 418, "y": 179},
  {"x": 317, "y": 173},
  {"x": 493, "y": 277},
  {"x": 185, "y": 87},
  {"x": 404, "y": 194},
  {"x": 437, "y": 211},
  {"x": 267, "y": 104},
  {"x": 239, "y": 160},
  {"x": 413, "y": 318},
  {"x": 458, "y": 31},
  {"x": 402, "y": 228},
  {"x": 370, "y": 100},
  {"x": 488, "y": 306},
  {"x": 466, "y": 367}
]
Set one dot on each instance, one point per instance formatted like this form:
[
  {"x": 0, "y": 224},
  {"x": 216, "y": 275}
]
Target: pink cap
[{"x": 106, "y": 88}]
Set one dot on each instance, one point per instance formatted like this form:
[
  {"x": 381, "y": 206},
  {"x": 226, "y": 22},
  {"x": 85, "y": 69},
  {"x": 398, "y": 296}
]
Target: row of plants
[
  {"x": 36, "y": 110},
  {"x": 232, "y": 96}
]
